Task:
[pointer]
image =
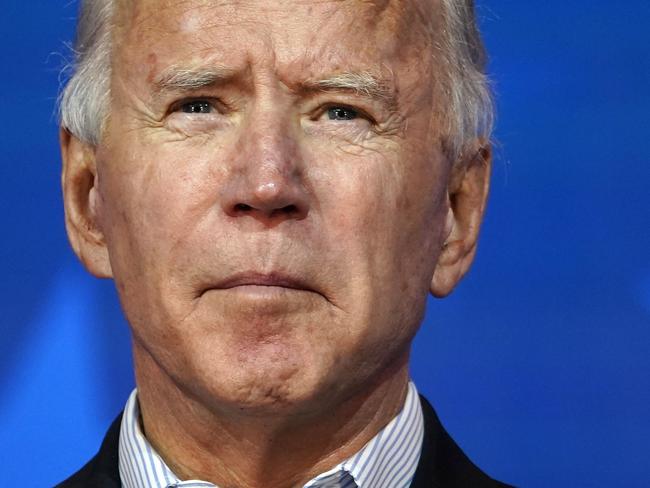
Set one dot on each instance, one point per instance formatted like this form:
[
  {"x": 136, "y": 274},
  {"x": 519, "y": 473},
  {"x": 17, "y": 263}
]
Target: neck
[{"x": 252, "y": 451}]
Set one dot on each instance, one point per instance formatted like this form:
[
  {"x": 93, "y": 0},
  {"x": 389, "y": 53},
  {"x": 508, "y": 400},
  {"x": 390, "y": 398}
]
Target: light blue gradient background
[{"x": 538, "y": 364}]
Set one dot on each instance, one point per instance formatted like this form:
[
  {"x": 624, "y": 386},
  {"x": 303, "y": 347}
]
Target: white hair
[
  {"x": 84, "y": 101},
  {"x": 470, "y": 110}
]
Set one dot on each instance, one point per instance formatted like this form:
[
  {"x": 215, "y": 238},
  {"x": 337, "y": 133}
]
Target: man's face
[{"x": 272, "y": 233}]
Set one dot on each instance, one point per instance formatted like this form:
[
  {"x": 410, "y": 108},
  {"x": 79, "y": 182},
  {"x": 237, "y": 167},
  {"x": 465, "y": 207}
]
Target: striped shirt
[{"x": 388, "y": 460}]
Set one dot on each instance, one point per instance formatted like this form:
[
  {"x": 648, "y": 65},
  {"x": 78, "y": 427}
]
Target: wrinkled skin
[
  {"x": 354, "y": 210},
  {"x": 367, "y": 225}
]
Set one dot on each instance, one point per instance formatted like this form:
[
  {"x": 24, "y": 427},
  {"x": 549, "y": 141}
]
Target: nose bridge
[
  {"x": 271, "y": 158},
  {"x": 267, "y": 181},
  {"x": 270, "y": 148}
]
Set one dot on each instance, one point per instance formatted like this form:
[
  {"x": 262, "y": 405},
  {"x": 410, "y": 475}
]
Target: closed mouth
[{"x": 262, "y": 279}]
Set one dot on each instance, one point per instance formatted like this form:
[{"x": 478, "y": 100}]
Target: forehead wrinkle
[
  {"x": 141, "y": 18},
  {"x": 390, "y": 17}
]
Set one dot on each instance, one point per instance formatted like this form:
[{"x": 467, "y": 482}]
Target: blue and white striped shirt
[{"x": 388, "y": 460}]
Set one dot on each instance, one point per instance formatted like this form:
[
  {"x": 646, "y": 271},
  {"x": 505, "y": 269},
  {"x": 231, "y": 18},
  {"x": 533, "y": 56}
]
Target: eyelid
[
  {"x": 217, "y": 104},
  {"x": 362, "y": 113}
]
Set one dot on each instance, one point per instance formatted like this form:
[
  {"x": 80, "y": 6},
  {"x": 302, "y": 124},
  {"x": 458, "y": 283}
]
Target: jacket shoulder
[
  {"x": 442, "y": 463},
  {"x": 102, "y": 471}
]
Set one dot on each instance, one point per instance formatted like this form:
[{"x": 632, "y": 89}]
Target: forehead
[{"x": 304, "y": 34}]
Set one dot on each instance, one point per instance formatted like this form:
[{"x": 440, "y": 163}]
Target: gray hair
[
  {"x": 470, "y": 109},
  {"x": 84, "y": 101}
]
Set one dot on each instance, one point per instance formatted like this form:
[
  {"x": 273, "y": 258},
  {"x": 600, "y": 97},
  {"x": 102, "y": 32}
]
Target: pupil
[
  {"x": 339, "y": 113},
  {"x": 197, "y": 108}
]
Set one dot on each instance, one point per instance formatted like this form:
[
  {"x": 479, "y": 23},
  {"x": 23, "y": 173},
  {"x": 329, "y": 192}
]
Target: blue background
[{"x": 538, "y": 364}]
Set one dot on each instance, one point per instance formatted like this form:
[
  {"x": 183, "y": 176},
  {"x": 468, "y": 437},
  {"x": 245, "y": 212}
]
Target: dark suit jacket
[{"x": 442, "y": 463}]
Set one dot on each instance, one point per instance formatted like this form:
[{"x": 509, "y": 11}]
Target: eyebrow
[
  {"x": 363, "y": 83},
  {"x": 177, "y": 78}
]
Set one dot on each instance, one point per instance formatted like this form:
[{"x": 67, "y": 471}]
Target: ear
[
  {"x": 81, "y": 201},
  {"x": 467, "y": 196}
]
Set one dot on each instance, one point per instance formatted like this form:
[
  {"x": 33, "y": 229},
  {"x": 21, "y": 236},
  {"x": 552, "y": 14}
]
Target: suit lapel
[
  {"x": 103, "y": 470},
  {"x": 442, "y": 463}
]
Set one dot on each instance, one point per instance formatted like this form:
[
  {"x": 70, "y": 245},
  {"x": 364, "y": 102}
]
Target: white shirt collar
[{"x": 388, "y": 460}]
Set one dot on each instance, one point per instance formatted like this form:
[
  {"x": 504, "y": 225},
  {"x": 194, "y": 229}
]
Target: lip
[{"x": 251, "y": 278}]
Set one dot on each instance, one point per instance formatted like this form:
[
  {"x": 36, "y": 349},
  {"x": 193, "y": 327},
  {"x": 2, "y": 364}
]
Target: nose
[{"x": 266, "y": 182}]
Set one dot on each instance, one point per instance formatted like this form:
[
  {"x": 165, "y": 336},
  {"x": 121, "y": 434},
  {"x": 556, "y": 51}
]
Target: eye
[
  {"x": 196, "y": 107},
  {"x": 342, "y": 113}
]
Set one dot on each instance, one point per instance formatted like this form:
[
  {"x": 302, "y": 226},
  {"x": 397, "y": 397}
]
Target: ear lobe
[
  {"x": 467, "y": 197},
  {"x": 82, "y": 204}
]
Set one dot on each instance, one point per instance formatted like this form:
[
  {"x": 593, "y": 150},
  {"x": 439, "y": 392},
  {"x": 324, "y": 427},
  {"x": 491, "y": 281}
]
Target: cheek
[
  {"x": 380, "y": 214},
  {"x": 156, "y": 188},
  {"x": 380, "y": 201},
  {"x": 151, "y": 200}
]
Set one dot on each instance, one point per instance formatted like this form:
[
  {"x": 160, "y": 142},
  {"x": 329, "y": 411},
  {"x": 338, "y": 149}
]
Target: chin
[
  {"x": 261, "y": 379},
  {"x": 261, "y": 396}
]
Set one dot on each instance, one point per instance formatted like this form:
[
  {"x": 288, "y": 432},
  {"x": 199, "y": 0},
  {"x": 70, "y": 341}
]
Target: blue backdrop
[{"x": 538, "y": 364}]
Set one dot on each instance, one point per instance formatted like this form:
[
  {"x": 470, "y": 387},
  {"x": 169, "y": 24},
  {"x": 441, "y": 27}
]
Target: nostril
[
  {"x": 289, "y": 209},
  {"x": 242, "y": 207}
]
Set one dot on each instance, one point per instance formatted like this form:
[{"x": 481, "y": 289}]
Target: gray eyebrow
[
  {"x": 364, "y": 83},
  {"x": 177, "y": 78}
]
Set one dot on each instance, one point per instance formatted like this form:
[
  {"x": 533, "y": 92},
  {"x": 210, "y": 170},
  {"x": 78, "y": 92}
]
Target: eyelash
[
  {"x": 196, "y": 107},
  {"x": 218, "y": 106},
  {"x": 211, "y": 103},
  {"x": 359, "y": 113}
]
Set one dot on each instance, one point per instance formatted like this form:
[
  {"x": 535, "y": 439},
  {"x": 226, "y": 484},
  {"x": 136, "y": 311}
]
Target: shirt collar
[{"x": 388, "y": 460}]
